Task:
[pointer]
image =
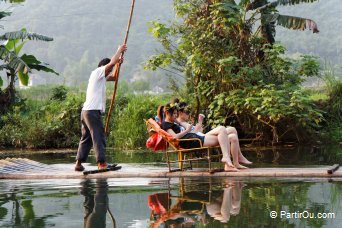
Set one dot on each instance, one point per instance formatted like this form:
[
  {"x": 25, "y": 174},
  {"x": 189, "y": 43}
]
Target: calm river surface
[{"x": 178, "y": 202}]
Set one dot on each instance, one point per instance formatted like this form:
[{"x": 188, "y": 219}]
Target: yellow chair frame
[{"x": 184, "y": 155}]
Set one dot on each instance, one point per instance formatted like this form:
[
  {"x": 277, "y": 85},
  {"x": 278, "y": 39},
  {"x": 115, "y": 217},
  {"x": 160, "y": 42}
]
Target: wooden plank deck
[{"x": 21, "y": 168}]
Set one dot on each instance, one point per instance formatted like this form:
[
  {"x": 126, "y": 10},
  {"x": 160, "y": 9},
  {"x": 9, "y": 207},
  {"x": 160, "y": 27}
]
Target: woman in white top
[{"x": 183, "y": 120}]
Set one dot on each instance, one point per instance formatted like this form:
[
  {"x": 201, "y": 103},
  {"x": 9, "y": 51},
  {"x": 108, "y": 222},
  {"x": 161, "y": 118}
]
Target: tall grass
[
  {"x": 128, "y": 129},
  {"x": 42, "y": 122},
  {"x": 333, "y": 105}
]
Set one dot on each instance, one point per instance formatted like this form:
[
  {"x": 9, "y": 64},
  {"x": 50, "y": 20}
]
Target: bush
[
  {"x": 129, "y": 130},
  {"x": 272, "y": 113},
  {"x": 46, "y": 125},
  {"x": 59, "y": 93},
  {"x": 56, "y": 123}
]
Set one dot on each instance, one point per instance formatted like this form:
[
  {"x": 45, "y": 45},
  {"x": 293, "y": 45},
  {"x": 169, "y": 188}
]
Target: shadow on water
[{"x": 177, "y": 202}]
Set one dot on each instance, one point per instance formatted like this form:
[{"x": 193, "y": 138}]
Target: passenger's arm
[
  {"x": 180, "y": 134},
  {"x": 198, "y": 128}
]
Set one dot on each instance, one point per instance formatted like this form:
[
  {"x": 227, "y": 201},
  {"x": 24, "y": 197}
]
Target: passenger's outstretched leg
[
  {"x": 222, "y": 140},
  {"x": 234, "y": 150},
  {"x": 242, "y": 159}
]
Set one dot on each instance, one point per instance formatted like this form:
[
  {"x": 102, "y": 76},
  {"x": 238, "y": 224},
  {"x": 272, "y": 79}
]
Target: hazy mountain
[
  {"x": 328, "y": 42},
  {"x": 85, "y": 31}
]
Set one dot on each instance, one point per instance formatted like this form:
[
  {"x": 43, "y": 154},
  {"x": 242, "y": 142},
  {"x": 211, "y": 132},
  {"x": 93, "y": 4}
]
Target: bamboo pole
[{"x": 117, "y": 72}]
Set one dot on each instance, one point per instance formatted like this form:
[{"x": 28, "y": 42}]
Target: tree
[
  {"x": 15, "y": 65},
  {"x": 235, "y": 69}
]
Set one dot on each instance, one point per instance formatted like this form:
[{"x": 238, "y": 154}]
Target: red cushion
[{"x": 161, "y": 144}]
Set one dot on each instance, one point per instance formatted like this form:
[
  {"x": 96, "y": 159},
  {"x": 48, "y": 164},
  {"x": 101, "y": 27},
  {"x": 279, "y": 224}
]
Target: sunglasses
[{"x": 187, "y": 112}]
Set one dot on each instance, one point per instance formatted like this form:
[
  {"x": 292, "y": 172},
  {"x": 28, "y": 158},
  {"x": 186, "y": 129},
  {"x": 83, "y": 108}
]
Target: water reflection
[
  {"x": 221, "y": 207},
  {"x": 195, "y": 204},
  {"x": 96, "y": 204},
  {"x": 175, "y": 202}
]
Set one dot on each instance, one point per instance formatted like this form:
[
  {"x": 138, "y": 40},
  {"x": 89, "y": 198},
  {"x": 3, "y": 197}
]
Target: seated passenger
[
  {"x": 183, "y": 120},
  {"x": 219, "y": 137}
]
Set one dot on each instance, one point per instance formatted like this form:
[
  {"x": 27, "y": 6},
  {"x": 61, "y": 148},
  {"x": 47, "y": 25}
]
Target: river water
[{"x": 179, "y": 202}]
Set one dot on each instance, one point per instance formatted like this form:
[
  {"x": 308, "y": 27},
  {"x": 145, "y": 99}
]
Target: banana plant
[
  {"x": 17, "y": 66},
  {"x": 270, "y": 16},
  {"x": 20, "y": 65}
]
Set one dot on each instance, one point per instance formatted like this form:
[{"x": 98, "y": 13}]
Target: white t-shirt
[{"x": 96, "y": 91}]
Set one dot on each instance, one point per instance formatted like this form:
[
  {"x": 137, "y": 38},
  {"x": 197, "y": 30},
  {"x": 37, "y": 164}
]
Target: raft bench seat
[{"x": 184, "y": 156}]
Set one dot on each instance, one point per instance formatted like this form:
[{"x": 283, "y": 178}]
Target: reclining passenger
[
  {"x": 218, "y": 137},
  {"x": 183, "y": 120}
]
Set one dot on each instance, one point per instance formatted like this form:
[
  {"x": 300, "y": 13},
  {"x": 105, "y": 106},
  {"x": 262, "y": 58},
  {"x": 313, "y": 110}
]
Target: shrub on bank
[
  {"x": 128, "y": 129},
  {"x": 48, "y": 124},
  {"x": 55, "y": 123}
]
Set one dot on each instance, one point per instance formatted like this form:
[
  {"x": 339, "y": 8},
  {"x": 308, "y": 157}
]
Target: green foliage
[
  {"x": 266, "y": 110},
  {"x": 43, "y": 126},
  {"x": 9, "y": 53},
  {"x": 23, "y": 35},
  {"x": 333, "y": 107},
  {"x": 41, "y": 93},
  {"x": 17, "y": 66},
  {"x": 309, "y": 66},
  {"x": 334, "y": 87},
  {"x": 14, "y": 1},
  {"x": 40, "y": 122},
  {"x": 236, "y": 71},
  {"x": 59, "y": 93},
  {"x": 129, "y": 130}
]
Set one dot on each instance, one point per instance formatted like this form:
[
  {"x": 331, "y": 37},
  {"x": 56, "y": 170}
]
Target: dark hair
[
  {"x": 182, "y": 105},
  {"x": 174, "y": 100},
  {"x": 103, "y": 62},
  {"x": 170, "y": 108},
  {"x": 160, "y": 113}
]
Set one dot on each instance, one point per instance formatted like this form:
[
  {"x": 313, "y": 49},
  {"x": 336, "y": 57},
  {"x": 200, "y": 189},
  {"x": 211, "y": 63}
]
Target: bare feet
[
  {"x": 227, "y": 161},
  {"x": 244, "y": 160},
  {"x": 228, "y": 168},
  {"x": 238, "y": 166}
]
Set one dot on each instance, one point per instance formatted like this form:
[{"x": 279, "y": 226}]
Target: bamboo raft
[{"x": 21, "y": 168}]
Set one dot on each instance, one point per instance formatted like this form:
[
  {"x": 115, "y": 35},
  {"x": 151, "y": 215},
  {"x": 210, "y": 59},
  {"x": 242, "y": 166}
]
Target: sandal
[{"x": 106, "y": 166}]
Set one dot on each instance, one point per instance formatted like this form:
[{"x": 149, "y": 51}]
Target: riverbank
[{"x": 18, "y": 152}]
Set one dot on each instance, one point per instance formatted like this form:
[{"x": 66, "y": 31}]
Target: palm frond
[
  {"x": 4, "y": 14},
  {"x": 17, "y": 1},
  {"x": 291, "y": 22},
  {"x": 12, "y": 60},
  {"x": 292, "y": 2},
  {"x": 24, "y": 78},
  {"x": 3, "y": 67},
  {"x": 260, "y": 4},
  {"x": 35, "y": 64},
  {"x": 24, "y": 35},
  {"x": 297, "y": 23}
]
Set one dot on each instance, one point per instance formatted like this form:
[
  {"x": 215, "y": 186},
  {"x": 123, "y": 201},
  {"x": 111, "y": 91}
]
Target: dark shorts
[{"x": 192, "y": 143}]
